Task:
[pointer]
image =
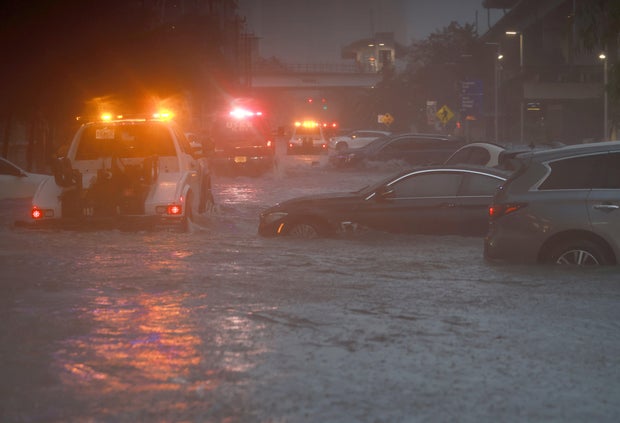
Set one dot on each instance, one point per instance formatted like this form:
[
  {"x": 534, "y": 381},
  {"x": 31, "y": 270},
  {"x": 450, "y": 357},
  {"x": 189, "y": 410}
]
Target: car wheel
[
  {"x": 579, "y": 253},
  {"x": 303, "y": 230}
]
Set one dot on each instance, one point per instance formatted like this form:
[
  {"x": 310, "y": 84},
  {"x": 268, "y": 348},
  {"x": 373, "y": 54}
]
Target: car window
[
  {"x": 183, "y": 141},
  {"x": 8, "y": 169},
  {"x": 583, "y": 172},
  {"x": 124, "y": 141},
  {"x": 428, "y": 185},
  {"x": 478, "y": 156},
  {"x": 613, "y": 171},
  {"x": 476, "y": 184}
]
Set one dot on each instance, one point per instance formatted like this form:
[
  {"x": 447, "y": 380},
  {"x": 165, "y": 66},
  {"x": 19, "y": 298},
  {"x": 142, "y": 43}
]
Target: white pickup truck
[{"x": 125, "y": 171}]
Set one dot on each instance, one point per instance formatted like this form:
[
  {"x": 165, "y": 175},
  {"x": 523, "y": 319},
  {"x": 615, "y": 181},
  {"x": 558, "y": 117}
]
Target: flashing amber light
[
  {"x": 163, "y": 115},
  {"x": 36, "y": 213},
  {"x": 174, "y": 210},
  {"x": 307, "y": 124},
  {"x": 106, "y": 116}
]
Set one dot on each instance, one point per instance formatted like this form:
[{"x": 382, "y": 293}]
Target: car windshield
[{"x": 125, "y": 140}]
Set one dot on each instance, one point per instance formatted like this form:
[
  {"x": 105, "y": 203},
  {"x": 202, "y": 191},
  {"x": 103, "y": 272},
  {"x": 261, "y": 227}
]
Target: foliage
[{"x": 435, "y": 67}]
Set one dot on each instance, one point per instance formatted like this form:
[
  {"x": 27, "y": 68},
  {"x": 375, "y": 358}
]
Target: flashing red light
[
  {"x": 174, "y": 210},
  {"x": 36, "y": 213}
]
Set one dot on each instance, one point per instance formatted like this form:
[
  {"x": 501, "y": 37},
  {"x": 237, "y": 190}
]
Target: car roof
[
  {"x": 570, "y": 150},
  {"x": 503, "y": 173}
]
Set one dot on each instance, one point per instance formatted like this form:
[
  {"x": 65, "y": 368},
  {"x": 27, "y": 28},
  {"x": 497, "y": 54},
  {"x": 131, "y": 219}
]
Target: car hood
[{"x": 317, "y": 199}]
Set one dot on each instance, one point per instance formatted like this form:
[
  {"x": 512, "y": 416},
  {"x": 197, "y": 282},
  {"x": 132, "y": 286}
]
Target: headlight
[{"x": 273, "y": 216}]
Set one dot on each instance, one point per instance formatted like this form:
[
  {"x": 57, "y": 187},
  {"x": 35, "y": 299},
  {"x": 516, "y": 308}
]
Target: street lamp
[
  {"x": 520, "y": 34},
  {"x": 603, "y": 57},
  {"x": 498, "y": 57}
]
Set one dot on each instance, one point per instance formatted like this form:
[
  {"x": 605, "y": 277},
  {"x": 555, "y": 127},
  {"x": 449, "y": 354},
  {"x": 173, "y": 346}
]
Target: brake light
[
  {"x": 498, "y": 210},
  {"x": 36, "y": 213},
  {"x": 174, "y": 210}
]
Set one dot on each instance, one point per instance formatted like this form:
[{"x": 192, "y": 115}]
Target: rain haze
[
  {"x": 302, "y": 31},
  {"x": 219, "y": 268}
]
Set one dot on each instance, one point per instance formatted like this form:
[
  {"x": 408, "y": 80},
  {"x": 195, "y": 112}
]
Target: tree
[{"x": 435, "y": 68}]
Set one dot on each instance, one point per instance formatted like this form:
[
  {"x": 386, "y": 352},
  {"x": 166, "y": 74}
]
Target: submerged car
[
  {"x": 16, "y": 183},
  {"x": 125, "y": 170},
  {"x": 412, "y": 149},
  {"x": 426, "y": 200},
  {"x": 561, "y": 206},
  {"x": 356, "y": 139}
]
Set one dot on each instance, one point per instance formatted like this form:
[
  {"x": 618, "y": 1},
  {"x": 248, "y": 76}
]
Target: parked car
[
  {"x": 408, "y": 148},
  {"x": 307, "y": 138},
  {"x": 561, "y": 206},
  {"x": 425, "y": 200},
  {"x": 356, "y": 139},
  {"x": 125, "y": 170},
  {"x": 493, "y": 155},
  {"x": 15, "y": 182},
  {"x": 477, "y": 153}
]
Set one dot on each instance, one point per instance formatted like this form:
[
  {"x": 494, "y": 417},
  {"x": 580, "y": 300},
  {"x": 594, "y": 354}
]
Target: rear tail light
[
  {"x": 37, "y": 213},
  {"x": 174, "y": 210},
  {"x": 498, "y": 210}
]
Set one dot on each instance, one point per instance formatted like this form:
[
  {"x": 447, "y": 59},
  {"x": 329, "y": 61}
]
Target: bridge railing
[{"x": 275, "y": 67}]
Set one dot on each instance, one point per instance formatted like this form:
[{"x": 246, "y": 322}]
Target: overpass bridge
[{"x": 289, "y": 91}]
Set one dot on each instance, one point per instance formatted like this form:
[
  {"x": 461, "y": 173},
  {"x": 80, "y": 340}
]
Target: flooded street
[{"x": 221, "y": 325}]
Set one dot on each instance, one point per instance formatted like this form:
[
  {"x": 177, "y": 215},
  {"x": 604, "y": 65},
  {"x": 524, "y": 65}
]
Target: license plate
[{"x": 240, "y": 159}]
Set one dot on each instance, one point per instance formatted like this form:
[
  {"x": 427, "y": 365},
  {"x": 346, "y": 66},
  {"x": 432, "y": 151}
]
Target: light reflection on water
[{"x": 146, "y": 345}]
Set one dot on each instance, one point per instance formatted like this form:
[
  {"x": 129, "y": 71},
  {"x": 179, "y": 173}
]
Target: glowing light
[
  {"x": 106, "y": 116},
  {"x": 174, "y": 209},
  {"x": 163, "y": 115},
  {"x": 36, "y": 213},
  {"x": 307, "y": 124}
]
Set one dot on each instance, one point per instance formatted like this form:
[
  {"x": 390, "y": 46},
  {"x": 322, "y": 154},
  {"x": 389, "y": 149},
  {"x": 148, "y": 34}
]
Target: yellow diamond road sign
[{"x": 444, "y": 114}]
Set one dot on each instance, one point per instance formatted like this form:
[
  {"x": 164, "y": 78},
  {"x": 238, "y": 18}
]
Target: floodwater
[{"x": 221, "y": 325}]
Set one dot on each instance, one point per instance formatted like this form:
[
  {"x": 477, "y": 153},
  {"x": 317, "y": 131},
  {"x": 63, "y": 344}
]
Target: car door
[
  {"x": 421, "y": 202},
  {"x": 474, "y": 197},
  {"x": 604, "y": 201}
]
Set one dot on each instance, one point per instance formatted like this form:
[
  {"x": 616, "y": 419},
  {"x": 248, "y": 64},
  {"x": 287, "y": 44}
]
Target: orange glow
[
  {"x": 163, "y": 114},
  {"x": 36, "y": 213},
  {"x": 174, "y": 209},
  {"x": 307, "y": 124},
  {"x": 106, "y": 116}
]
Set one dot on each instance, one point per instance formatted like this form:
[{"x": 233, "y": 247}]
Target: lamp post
[
  {"x": 496, "y": 62},
  {"x": 520, "y": 34},
  {"x": 603, "y": 57}
]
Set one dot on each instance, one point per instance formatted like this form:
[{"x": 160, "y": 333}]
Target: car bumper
[{"x": 511, "y": 246}]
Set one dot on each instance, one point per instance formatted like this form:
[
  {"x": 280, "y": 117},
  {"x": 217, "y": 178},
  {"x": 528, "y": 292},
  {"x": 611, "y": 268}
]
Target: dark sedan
[
  {"x": 409, "y": 148},
  {"x": 438, "y": 200}
]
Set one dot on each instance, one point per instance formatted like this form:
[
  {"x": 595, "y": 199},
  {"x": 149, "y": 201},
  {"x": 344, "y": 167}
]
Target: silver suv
[{"x": 561, "y": 206}]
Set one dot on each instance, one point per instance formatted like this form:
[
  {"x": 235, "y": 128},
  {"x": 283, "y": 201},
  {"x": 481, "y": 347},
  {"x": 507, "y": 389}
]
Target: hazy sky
[{"x": 314, "y": 31}]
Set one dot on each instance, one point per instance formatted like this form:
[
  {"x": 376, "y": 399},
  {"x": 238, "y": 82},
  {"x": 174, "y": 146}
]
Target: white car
[
  {"x": 477, "y": 153},
  {"x": 356, "y": 139},
  {"x": 16, "y": 183},
  {"x": 125, "y": 170}
]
